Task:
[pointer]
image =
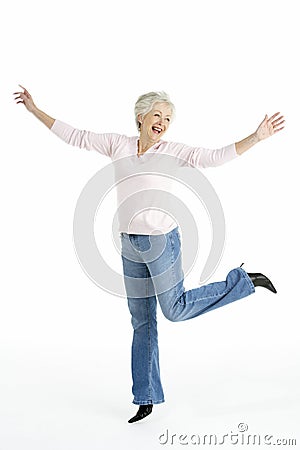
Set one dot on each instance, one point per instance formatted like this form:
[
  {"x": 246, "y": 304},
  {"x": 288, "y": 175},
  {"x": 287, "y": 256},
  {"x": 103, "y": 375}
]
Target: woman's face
[{"x": 156, "y": 122}]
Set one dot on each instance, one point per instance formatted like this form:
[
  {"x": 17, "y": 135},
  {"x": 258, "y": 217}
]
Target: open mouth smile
[{"x": 156, "y": 130}]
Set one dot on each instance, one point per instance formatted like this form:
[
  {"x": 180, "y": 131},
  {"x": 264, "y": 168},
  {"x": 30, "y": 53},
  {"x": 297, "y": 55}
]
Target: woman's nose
[{"x": 162, "y": 121}]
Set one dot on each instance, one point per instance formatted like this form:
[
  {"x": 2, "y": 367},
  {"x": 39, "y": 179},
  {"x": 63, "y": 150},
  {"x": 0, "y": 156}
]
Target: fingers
[
  {"x": 273, "y": 117},
  {"x": 277, "y": 124},
  {"x": 21, "y": 92},
  {"x": 275, "y": 127},
  {"x": 21, "y": 96},
  {"x": 276, "y": 131},
  {"x": 278, "y": 119},
  {"x": 25, "y": 92}
]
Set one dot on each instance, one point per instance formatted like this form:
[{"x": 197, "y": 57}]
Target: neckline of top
[{"x": 153, "y": 147}]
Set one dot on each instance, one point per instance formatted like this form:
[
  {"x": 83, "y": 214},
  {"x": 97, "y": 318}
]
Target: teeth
[{"x": 157, "y": 129}]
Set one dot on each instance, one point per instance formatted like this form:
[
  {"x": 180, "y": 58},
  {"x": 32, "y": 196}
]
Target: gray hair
[{"x": 145, "y": 103}]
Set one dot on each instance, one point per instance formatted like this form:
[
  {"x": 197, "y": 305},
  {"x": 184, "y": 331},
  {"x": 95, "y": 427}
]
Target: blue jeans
[{"x": 154, "y": 272}]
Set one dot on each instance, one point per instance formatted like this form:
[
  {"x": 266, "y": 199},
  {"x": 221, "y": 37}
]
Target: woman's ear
[{"x": 140, "y": 119}]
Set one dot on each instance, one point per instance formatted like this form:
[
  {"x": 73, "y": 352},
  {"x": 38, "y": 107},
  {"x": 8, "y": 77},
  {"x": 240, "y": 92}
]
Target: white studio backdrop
[{"x": 64, "y": 343}]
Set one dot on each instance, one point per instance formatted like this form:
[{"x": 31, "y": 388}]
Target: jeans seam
[
  {"x": 172, "y": 262},
  {"x": 149, "y": 338},
  {"x": 245, "y": 276},
  {"x": 210, "y": 296}
]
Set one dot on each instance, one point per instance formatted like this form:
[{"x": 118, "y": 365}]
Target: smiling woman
[
  {"x": 153, "y": 126},
  {"x": 150, "y": 240},
  {"x": 153, "y": 114},
  {"x": 145, "y": 103}
]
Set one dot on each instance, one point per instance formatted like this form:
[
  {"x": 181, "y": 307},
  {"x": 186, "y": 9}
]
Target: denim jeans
[{"x": 152, "y": 268}]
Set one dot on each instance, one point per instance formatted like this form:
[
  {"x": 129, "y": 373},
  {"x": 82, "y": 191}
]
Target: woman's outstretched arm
[
  {"x": 26, "y": 99},
  {"x": 104, "y": 143},
  {"x": 266, "y": 128}
]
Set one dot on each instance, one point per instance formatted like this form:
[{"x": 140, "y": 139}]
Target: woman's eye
[{"x": 168, "y": 119}]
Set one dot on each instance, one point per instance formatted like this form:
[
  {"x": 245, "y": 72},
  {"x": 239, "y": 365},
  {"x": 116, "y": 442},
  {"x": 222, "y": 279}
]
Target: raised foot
[
  {"x": 143, "y": 411},
  {"x": 258, "y": 279}
]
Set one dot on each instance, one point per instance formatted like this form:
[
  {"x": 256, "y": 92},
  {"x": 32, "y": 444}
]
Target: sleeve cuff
[
  {"x": 236, "y": 154},
  {"x": 230, "y": 153}
]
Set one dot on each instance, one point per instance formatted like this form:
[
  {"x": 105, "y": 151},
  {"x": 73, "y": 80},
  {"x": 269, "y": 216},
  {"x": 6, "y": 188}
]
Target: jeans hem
[
  {"x": 147, "y": 402},
  {"x": 248, "y": 279}
]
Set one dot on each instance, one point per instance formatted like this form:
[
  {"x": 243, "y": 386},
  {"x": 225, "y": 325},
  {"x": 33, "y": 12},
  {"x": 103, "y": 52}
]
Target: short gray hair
[{"x": 145, "y": 103}]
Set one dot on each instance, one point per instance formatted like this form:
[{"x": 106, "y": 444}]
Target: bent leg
[{"x": 176, "y": 303}]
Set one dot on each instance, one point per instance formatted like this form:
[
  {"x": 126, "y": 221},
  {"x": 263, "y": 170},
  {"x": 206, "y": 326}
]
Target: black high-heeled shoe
[
  {"x": 143, "y": 411},
  {"x": 258, "y": 279}
]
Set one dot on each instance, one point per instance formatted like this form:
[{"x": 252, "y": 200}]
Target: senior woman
[{"x": 143, "y": 261}]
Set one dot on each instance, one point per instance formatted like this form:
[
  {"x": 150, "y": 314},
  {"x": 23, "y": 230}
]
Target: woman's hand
[
  {"x": 268, "y": 127},
  {"x": 26, "y": 99}
]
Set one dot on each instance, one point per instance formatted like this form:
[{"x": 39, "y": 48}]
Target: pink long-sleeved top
[{"x": 144, "y": 182}]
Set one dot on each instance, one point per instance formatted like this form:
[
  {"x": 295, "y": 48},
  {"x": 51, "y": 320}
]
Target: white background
[{"x": 65, "y": 379}]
